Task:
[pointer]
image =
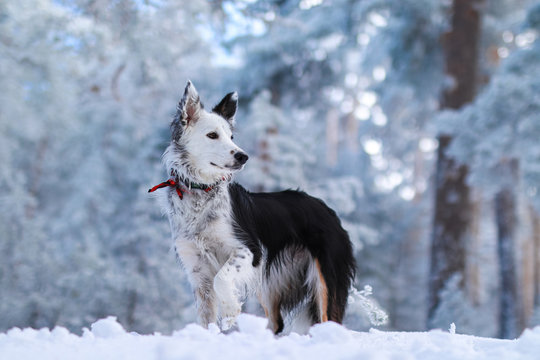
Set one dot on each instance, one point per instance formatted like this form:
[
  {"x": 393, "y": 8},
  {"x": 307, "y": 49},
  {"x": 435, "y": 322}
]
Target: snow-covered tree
[
  {"x": 452, "y": 211},
  {"x": 496, "y": 137},
  {"x": 88, "y": 92}
]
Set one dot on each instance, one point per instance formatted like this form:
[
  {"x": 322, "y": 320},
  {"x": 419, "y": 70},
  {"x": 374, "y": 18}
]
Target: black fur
[
  {"x": 227, "y": 107},
  {"x": 294, "y": 220}
]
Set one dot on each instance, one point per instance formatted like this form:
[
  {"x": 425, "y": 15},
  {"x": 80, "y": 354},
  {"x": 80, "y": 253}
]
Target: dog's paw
[
  {"x": 229, "y": 313},
  {"x": 229, "y": 325}
]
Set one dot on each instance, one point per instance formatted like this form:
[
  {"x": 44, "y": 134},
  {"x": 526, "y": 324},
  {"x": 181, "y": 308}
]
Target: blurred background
[{"x": 417, "y": 120}]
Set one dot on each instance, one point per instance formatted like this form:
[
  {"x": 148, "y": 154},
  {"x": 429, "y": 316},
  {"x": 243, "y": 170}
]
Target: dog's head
[{"x": 202, "y": 147}]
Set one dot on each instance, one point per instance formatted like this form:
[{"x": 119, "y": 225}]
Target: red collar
[{"x": 180, "y": 190}]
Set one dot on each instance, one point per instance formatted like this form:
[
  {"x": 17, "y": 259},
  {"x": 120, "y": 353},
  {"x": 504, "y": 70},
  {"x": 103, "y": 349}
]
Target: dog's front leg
[
  {"x": 235, "y": 274},
  {"x": 201, "y": 273},
  {"x": 205, "y": 299}
]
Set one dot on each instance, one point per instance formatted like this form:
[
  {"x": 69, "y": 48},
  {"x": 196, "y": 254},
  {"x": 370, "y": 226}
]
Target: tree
[
  {"x": 494, "y": 137},
  {"x": 506, "y": 219},
  {"x": 452, "y": 218},
  {"x": 90, "y": 87}
]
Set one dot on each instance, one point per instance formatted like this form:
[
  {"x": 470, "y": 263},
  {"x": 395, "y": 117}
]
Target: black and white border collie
[{"x": 287, "y": 248}]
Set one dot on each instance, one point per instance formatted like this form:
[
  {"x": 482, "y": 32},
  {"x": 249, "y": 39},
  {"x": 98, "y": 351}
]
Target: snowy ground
[{"x": 108, "y": 340}]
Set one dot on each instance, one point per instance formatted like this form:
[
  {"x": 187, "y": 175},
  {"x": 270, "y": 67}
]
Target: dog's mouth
[
  {"x": 219, "y": 167},
  {"x": 228, "y": 167}
]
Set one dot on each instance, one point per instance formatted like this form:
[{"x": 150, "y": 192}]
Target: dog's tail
[{"x": 336, "y": 268}]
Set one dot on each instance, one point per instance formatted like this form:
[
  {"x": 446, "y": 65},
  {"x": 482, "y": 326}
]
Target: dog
[{"x": 287, "y": 248}]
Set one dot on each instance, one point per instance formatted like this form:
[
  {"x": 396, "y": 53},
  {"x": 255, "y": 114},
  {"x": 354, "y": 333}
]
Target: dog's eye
[
  {"x": 213, "y": 135},
  {"x": 232, "y": 137}
]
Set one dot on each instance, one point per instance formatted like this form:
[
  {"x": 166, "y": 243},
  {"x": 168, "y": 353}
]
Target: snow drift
[{"x": 108, "y": 340}]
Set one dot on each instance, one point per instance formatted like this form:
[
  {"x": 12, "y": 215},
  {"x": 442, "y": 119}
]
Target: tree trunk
[
  {"x": 536, "y": 231},
  {"x": 530, "y": 270},
  {"x": 525, "y": 265},
  {"x": 506, "y": 217},
  {"x": 452, "y": 222},
  {"x": 473, "y": 249}
]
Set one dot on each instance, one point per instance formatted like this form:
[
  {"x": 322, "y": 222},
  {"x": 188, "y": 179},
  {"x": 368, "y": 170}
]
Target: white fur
[{"x": 218, "y": 265}]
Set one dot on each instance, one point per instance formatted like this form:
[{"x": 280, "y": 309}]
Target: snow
[{"x": 108, "y": 340}]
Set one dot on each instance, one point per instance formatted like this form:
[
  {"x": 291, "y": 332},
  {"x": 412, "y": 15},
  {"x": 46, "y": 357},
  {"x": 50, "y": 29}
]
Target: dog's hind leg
[
  {"x": 228, "y": 283},
  {"x": 274, "y": 316},
  {"x": 271, "y": 307}
]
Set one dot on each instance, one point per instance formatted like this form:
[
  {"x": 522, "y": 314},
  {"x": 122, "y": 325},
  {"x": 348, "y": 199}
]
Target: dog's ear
[
  {"x": 227, "y": 107},
  {"x": 189, "y": 107}
]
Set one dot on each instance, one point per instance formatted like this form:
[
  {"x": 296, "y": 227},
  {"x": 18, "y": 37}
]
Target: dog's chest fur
[{"x": 202, "y": 228}]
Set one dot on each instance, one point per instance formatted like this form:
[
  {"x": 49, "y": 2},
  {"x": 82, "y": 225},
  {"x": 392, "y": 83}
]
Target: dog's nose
[{"x": 241, "y": 157}]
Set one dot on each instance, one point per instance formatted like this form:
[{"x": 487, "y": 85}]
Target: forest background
[{"x": 417, "y": 120}]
